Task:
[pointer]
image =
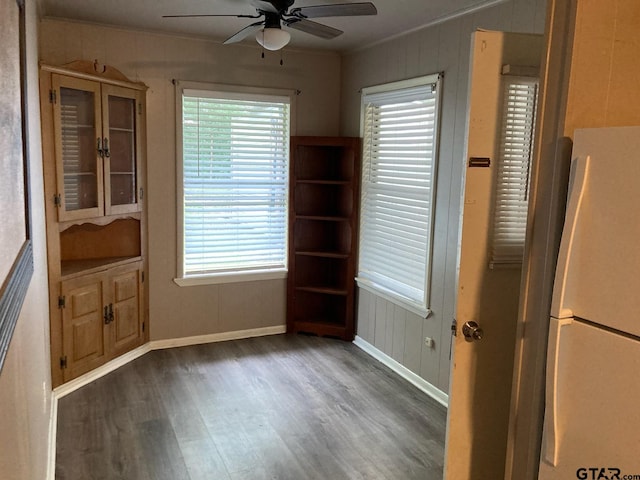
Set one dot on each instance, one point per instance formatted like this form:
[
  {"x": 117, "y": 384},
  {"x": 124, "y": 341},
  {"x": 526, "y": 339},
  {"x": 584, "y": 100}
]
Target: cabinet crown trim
[{"x": 94, "y": 71}]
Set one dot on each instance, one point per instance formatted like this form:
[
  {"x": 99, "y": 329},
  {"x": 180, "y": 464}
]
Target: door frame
[{"x": 550, "y": 174}]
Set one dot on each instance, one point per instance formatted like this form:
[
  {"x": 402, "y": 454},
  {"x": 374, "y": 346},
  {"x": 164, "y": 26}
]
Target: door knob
[{"x": 472, "y": 331}]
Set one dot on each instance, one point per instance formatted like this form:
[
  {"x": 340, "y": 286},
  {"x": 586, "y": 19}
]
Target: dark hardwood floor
[{"x": 279, "y": 407}]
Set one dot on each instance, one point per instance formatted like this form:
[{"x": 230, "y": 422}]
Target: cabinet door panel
[
  {"x": 126, "y": 329},
  {"x": 83, "y": 326},
  {"x": 120, "y": 118},
  {"x": 77, "y": 127}
]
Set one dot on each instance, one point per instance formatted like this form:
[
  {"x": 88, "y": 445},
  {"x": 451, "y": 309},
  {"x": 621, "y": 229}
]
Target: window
[
  {"x": 233, "y": 169},
  {"x": 400, "y": 130},
  {"x": 512, "y": 188}
]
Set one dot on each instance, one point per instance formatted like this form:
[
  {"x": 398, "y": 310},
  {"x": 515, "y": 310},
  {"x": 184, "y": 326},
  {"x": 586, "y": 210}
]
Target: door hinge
[
  {"x": 57, "y": 200},
  {"x": 62, "y": 301},
  {"x": 141, "y": 193},
  {"x": 143, "y": 326},
  {"x": 142, "y": 276},
  {"x": 139, "y": 108},
  {"x": 63, "y": 362},
  {"x": 52, "y": 96}
]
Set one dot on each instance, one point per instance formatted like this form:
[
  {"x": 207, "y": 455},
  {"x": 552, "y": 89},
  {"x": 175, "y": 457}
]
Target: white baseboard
[
  {"x": 217, "y": 337},
  {"x": 435, "y": 393},
  {"x": 116, "y": 363},
  {"x": 101, "y": 371},
  {"x": 53, "y": 431}
]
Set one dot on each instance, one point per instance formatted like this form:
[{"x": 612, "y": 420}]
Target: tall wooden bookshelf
[{"x": 323, "y": 223}]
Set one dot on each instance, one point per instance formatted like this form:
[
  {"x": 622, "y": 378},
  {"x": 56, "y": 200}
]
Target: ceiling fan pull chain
[{"x": 281, "y": 62}]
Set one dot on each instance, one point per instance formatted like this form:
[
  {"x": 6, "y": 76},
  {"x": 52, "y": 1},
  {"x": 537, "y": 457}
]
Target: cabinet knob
[
  {"x": 108, "y": 314},
  {"x": 100, "y": 150}
]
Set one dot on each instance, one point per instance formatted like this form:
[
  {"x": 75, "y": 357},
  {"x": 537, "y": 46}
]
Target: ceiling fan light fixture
[{"x": 273, "y": 38}]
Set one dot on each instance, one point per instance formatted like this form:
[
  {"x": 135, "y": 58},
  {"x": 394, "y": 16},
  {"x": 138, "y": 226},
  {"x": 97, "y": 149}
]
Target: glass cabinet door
[
  {"x": 121, "y": 149},
  {"x": 77, "y": 125}
]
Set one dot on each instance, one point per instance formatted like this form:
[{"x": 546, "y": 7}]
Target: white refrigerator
[{"x": 592, "y": 397}]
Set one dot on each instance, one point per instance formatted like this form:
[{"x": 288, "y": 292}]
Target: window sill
[
  {"x": 231, "y": 277},
  {"x": 390, "y": 296}
]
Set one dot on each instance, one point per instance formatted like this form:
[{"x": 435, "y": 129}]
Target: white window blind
[
  {"x": 512, "y": 190},
  {"x": 235, "y": 154},
  {"x": 400, "y": 130}
]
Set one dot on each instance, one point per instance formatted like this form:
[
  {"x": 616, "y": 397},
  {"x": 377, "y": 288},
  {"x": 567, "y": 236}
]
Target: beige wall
[
  {"x": 25, "y": 385},
  {"x": 156, "y": 59},
  {"x": 605, "y": 76},
  {"x": 440, "y": 48}
]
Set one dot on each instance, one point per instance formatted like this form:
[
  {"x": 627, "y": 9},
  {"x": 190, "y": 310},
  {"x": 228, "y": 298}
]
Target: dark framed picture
[{"x": 16, "y": 252}]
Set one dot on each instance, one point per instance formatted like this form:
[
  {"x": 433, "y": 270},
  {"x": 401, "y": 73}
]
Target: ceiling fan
[{"x": 269, "y": 31}]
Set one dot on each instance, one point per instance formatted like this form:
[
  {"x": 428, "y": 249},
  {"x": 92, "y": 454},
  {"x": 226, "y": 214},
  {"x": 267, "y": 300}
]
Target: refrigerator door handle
[
  {"x": 578, "y": 180},
  {"x": 551, "y": 438}
]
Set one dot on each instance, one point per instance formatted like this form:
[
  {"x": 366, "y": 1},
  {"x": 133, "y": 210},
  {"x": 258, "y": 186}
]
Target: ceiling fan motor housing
[
  {"x": 271, "y": 20},
  {"x": 278, "y": 7},
  {"x": 281, "y": 5}
]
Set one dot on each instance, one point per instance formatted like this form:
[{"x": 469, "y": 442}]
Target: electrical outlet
[{"x": 428, "y": 342}]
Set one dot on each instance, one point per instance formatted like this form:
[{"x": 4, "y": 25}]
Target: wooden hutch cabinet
[
  {"x": 323, "y": 204},
  {"x": 93, "y": 140}
]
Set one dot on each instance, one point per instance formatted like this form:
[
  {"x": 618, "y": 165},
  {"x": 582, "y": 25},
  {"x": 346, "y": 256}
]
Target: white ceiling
[{"x": 394, "y": 17}]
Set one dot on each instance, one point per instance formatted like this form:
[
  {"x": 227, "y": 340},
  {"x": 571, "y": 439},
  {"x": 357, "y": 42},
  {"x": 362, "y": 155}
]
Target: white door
[{"x": 481, "y": 371}]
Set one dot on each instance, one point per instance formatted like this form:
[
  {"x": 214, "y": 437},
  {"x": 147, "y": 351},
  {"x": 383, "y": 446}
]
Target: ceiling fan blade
[
  {"x": 204, "y": 15},
  {"x": 244, "y": 33},
  {"x": 314, "y": 28},
  {"x": 337, "y": 10},
  {"x": 264, "y": 5}
]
